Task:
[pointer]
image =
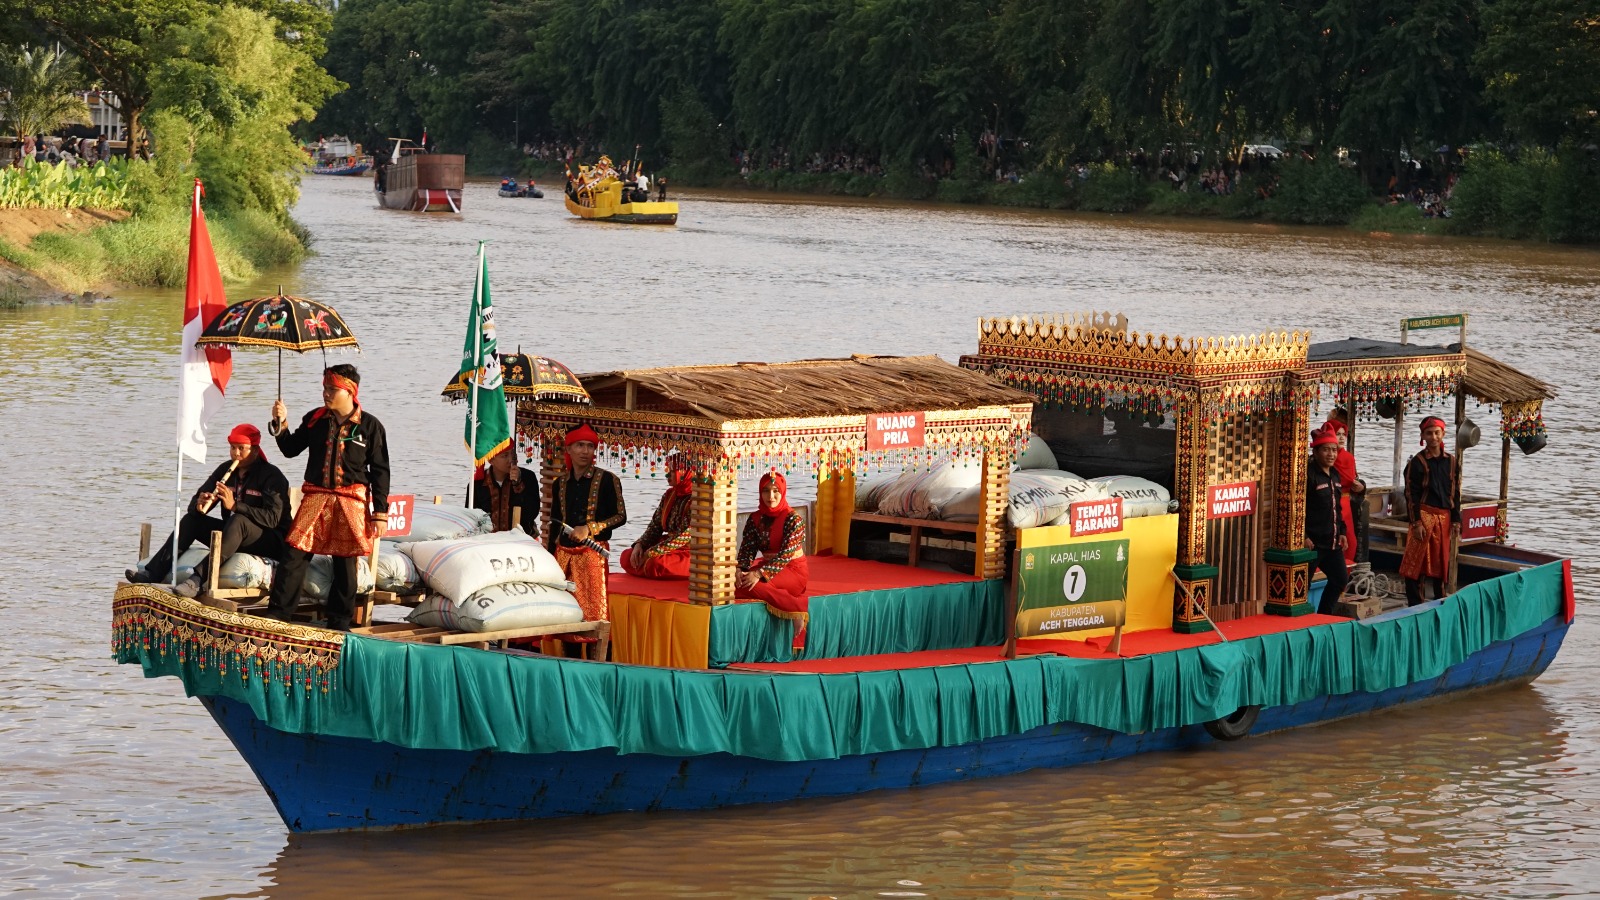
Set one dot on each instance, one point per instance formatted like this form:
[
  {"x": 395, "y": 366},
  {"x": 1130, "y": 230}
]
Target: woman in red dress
[{"x": 772, "y": 559}]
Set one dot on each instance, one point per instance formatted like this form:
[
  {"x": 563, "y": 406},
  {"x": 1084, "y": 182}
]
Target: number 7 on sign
[{"x": 1074, "y": 584}]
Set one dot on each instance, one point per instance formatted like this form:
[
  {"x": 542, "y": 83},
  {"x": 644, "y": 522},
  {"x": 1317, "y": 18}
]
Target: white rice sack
[
  {"x": 435, "y": 522},
  {"x": 244, "y": 570},
  {"x": 514, "y": 604},
  {"x": 870, "y": 491},
  {"x": 1140, "y": 496},
  {"x": 965, "y": 506},
  {"x": 1040, "y": 496},
  {"x": 186, "y": 561},
  {"x": 319, "y": 577},
  {"x": 923, "y": 495},
  {"x": 460, "y": 568},
  {"x": 396, "y": 571},
  {"x": 1037, "y": 456}
]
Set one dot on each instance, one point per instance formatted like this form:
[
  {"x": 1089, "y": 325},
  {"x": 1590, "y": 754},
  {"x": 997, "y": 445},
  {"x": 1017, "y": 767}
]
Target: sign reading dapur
[
  {"x": 894, "y": 431},
  {"x": 1096, "y": 516},
  {"x": 1479, "y": 521},
  {"x": 1229, "y": 500},
  {"x": 1072, "y": 587}
]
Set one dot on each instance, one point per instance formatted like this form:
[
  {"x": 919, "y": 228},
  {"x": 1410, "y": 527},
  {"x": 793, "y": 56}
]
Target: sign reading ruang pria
[
  {"x": 1072, "y": 587},
  {"x": 894, "y": 431}
]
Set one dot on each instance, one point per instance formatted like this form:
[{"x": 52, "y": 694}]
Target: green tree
[
  {"x": 37, "y": 88},
  {"x": 228, "y": 90},
  {"x": 1540, "y": 60}
]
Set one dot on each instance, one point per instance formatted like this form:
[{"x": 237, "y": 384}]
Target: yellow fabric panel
[
  {"x": 844, "y": 503},
  {"x": 1152, "y": 552},
  {"x": 823, "y": 511},
  {"x": 650, "y": 632}
]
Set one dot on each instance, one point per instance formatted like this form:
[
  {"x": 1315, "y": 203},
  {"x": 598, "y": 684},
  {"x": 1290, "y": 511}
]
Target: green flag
[{"x": 488, "y": 427}]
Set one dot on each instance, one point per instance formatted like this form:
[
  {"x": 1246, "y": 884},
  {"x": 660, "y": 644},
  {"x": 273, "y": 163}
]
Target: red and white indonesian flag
[{"x": 203, "y": 372}]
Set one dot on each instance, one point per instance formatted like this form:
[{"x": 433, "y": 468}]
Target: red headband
[
  {"x": 1322, "y": 437},
  {"x": 245, "y": 434},
  {"x": 333, "y": 379},
  {"x": 1429, "y": 422},
  {"x": 582, "y": 433}
]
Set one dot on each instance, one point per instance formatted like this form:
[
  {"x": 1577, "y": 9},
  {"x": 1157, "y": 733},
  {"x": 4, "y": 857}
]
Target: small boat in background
[
  {"x": 415, "y": 180},
  {"x": 337, "y": 155},
  {"x": 509, "y": 188}
]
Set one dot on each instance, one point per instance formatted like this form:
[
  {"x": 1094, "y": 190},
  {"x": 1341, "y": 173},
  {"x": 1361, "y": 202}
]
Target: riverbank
[
  {"x": 1543, "y": 200},
  {"x": 53, "y": 254}
]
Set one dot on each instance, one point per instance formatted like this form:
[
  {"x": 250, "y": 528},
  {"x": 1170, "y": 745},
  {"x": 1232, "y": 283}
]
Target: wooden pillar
[
  {"x": 1191, "y": 597},
  {"x": 712, "y": 529},
  {"x": 1288, "y": 560},
  {"x": 1501, "y": 532},
  {"x": 990, "y": 559},
  {"x": 550, "y": 465}
]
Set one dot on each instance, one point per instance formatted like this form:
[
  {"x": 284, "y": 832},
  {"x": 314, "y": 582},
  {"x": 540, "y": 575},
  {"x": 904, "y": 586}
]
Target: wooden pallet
[
  {"x": 405, "y": 631},
  {"x": 914, "y": 548}
]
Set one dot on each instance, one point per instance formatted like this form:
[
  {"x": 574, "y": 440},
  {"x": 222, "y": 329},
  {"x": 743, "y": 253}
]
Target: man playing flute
[{"x": 254, "y": 497}]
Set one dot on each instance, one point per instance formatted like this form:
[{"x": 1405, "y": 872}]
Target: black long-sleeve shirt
[
  {"x": 594, "y": 500},
  {"x": 260, "y": 494},
  {"x": 1324, "y": 518},
  {"x": 355, "y": 451},
  {"x": 499, "y": 498},
  {"x": 1431, "y": 481}
]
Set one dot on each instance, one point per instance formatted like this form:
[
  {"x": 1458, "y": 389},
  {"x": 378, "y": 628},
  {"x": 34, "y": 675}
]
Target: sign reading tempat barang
[
  {"x": 894, "y": 431},
  {"x": 1072, "y": 587},
  {"x": 1229, "y": 500}
]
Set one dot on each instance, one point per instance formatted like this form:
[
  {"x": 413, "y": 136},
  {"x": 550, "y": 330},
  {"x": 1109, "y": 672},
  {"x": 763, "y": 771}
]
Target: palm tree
[{"x": 38, "y": 90}]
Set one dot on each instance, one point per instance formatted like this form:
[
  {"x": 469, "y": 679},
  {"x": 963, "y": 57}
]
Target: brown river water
[{"x": 116, "y": 786}]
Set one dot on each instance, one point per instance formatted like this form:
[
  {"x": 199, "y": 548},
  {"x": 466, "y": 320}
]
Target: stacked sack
[
  {"x": 491, "y": 582},
  {"x": 396, "y": 572}
]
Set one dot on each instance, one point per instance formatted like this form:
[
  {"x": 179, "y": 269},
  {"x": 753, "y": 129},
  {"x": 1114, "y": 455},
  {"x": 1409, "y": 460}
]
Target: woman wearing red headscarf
[
  {"x": 772, "y": 558},
  {"x": 663, "y": 550},
  {"x": 1354, "y": 489}
]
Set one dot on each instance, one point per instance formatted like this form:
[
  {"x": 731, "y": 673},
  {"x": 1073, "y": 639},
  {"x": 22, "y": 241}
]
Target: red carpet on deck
[
  {"x": 1133, "y": 644},
  {"x": 829, "y": 575}
]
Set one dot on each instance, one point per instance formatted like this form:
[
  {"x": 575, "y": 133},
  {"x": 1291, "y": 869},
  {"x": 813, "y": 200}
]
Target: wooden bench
[
  {"x": 914, "y": 551},
  {"x": 405, "y": 631}
]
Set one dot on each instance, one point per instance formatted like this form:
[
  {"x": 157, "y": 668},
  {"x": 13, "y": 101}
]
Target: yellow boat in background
[{"x": 600, "y": 197}]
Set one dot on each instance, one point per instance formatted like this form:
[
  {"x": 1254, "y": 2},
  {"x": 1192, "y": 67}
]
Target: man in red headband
[
  {"x": 344, "y": 504},
  {"x": 663, "y": 550},
  {"x": 254, "y": 497},
  {"x": 1325, "y": 531},
  {"x": 1433, "y": 504},
  {"x": 585, "y": 508}
]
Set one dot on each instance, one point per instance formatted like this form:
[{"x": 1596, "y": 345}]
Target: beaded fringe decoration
[{"x": 149, "y": 623}]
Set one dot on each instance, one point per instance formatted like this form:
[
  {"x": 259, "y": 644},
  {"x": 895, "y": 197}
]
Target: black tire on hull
[{"x": 1236, "y": 726}]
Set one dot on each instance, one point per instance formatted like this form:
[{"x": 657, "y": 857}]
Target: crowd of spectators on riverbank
[{"x": 71, "y": 151}]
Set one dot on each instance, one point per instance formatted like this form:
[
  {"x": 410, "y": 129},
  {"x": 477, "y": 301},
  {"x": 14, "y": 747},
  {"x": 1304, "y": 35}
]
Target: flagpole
[{"x": 477, "y": 364}]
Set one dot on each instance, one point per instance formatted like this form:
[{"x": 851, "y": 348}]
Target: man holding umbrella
[{"x": 345, "y": 502}]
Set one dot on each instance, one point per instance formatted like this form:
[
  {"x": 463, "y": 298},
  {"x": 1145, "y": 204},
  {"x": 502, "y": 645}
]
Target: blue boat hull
[{"x": 321, "y": 783}]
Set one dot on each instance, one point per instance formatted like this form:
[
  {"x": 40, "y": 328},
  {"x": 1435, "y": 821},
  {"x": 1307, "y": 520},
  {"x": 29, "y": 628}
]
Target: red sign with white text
[
  {"x": 1096, "y": 516},
  {"x": 894, "y": 431},
  {"x": 1229, "y": 500},
  {"x": 401, "y": 507},
  {"x": 1478, "y": 522}
]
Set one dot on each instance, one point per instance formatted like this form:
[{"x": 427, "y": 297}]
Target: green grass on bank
[{"x": 152, "y": 250}]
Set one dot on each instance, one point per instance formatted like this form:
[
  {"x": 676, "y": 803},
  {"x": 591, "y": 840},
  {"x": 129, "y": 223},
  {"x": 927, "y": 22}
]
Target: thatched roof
[
  {"x": 802, "y": 389},
  {"x": 1492, "y": 381}
]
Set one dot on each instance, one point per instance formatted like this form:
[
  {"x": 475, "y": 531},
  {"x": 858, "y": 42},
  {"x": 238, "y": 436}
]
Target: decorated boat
[
  {"x": 337, "y": 155},
  {"x": 1101, "y": 637},
  {"x": 420, "y": 182},
  {"x": 599, "y": 194}
]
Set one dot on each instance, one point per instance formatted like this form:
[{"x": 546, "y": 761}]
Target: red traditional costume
[
  {"x": 1433, "y": 505},
  {"x": 594, "y": 501},
  {"x": 1346, "y": 465},
  {"x": 774, "y": 548},
  {"x": 663, "y": 550}
]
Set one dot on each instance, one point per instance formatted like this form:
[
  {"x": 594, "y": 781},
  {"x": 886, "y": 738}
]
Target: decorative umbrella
[
  {"x": 287, "y": 323},
  {"x": 535, "y": 377}
]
